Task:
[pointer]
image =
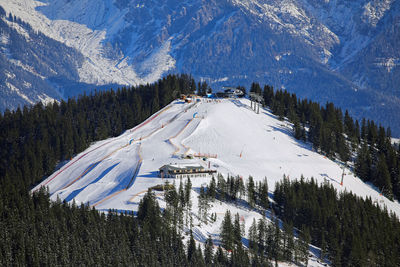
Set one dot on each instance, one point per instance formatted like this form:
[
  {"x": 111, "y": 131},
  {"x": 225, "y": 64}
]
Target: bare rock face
[{"x": 340, "y": 51}]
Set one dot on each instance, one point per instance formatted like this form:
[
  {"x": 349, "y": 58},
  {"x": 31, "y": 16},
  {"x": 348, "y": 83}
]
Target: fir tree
[
  {"x": 237, "y": 231},
  {"x": 253, "y": 237},
  {"x": 227, "y": 233},
  {"x": 208, "y": 251},
  {"x": 382, "y": 177},
  {"x": 251, "y": 194}
]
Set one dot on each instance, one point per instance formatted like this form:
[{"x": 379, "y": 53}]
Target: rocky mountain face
[{"x": 341, "y": 51}]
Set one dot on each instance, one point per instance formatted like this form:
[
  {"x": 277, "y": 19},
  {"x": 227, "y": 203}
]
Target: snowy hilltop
[{"x": 223, "y": 135}]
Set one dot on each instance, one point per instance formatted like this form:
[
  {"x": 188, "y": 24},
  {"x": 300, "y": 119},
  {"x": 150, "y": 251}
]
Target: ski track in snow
[
  {"x": 115, "y": 173},
  {"x": 226, "y": 128}
]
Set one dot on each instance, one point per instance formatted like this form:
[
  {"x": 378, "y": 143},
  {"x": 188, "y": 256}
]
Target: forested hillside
[
  {"x": 38, "y": 232},
  {"x": 349, "y": 230},
  {"x": 35, "y": 139},
  {"x": 366, "y": 146},
  {"x": 35, "y": 231}
]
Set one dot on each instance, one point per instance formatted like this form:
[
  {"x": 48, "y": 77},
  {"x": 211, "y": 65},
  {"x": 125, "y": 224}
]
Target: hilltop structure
[{"x": 185, "y": 171}]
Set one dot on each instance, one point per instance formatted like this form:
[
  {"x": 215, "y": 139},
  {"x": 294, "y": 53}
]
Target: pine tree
[
  {"x": 261, "y": 236},
  {"x": 188, "y": 189},
  {"x": 237, "y": 231},
  {"x": 363, "y": 163},
  {"x": 191, "y": 251},
  {"x": 212, "y": 188},
  {"x": 255, "y": 88},
  {"x": 220, "y": 258},
  {"x": 303, "y": 245},
  {"x": 288, "y": 246},
  {"x": 382, "y": 177},
  {"x": 227, "y": 234},
  {"x": 323, "y": 247},
  {"x": 276, "y": 250},
  {"x": 263, "y": 194},
  {"x": 203, "y": 205},
  {"x": 251, "y": 195},
  {"x": 253, "y": 237},
  {"x": 208, "y": 251}
]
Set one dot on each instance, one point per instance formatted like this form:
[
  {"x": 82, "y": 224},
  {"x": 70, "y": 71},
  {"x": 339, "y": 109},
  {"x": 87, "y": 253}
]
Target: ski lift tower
[
  {"x": 343, "y": 174},
  {"x": 257, "y": 99}
]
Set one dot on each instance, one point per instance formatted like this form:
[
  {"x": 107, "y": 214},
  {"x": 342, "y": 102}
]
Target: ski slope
[{"x": 115, "y": 173}]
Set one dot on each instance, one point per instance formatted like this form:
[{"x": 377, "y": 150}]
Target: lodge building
[{"x": 185, "y": 171}]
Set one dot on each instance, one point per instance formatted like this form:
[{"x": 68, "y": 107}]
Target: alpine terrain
[
  {"x": 340, "y": 51},
  {"x": 222, "y": 135},
  {"x": 164, "y": 174}
]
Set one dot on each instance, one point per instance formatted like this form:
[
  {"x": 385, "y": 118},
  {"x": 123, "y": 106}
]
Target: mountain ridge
[{"x": 327, "y": 51}]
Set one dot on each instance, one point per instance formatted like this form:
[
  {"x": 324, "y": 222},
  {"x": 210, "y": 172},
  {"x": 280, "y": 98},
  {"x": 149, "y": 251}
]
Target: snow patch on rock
[{"x": 375, "y": 10}]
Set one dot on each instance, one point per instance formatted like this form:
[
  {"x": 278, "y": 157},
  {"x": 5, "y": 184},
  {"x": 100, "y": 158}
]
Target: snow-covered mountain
[
  {"x": 340, "y": 51},
  {"x": 116, "y": 173}
]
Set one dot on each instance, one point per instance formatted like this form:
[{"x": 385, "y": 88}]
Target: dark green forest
[
  {"x": 338, "y": 136},
  {"x": 34, "y": 140},
  {"x": 349, "y": 230},
  {"x": 38, "y": 232}
]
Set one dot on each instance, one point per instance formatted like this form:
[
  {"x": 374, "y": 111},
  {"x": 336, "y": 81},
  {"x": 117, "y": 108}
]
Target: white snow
[
  {"x": 18, "y": 92},
  {"x": 396, "y": 141},
  {"x": 27, "y": 67},
  {"x": 388, "y": 63},
  {"x": 289, "y": 16},
  {"x": 46, "y": 100},
  {"x": 18, "y": 28},
  {"x": 225, "y": 128},
  {"x": 159, "y": 62},
  {"x": 375, "y": 10},
  {"x": 88, "y": 26},
  {"x": 115, "y": 173}
]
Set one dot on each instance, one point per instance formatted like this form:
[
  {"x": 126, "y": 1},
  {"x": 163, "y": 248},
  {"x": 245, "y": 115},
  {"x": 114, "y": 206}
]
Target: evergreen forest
[
  {"x": 365, "y": 147},
  {"x": 37, "y": 232},
  {"x": 349, "y": 230}
]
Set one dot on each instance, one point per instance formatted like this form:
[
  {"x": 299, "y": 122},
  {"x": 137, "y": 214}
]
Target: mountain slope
[
  {"x": 325, "y": 50},
  {"x": 116, "y": 172}
]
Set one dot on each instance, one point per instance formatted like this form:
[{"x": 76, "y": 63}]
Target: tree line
[
  {"x": 268, "y": 242},
  {"x": 38, "y": 232},
  {"x": 349, "y": 230},
  {"x": 34, "y": 139},
  {"x": 366, "y": 145}
]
